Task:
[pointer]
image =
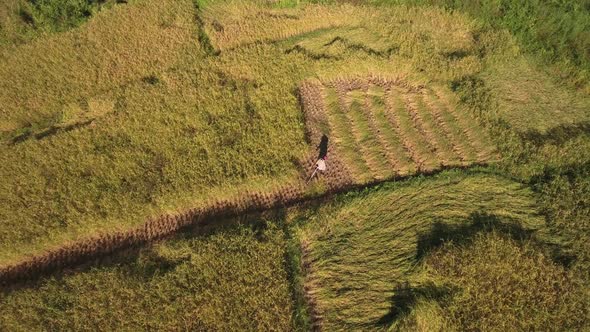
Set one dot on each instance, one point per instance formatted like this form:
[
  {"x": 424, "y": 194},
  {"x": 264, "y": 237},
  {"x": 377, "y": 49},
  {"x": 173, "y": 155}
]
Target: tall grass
[
  {"x": 493, "y": 283},
  {"x": 565, "y": 193},
  {"x": 540, "y": 128},
  {"x": 24, "y": 20},
  {"x": 61, "y": 15},
  {"x": 556, "y": 31},
  {"x": 227, "y": 279}
]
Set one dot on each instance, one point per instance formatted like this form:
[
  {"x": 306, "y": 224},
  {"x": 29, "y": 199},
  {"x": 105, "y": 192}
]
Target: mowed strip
[
  {"x": 421, "y": 126},
  {"x": 343, "y": 139},
  {"x": 346, "y": 96},
  {"x": 372, "y": 151},
  {"x": 445, "y": 148},
  {"x": 452, "y": 129},
  {"x": 401, "y": 152},
  {"x": 474, "y": 133},
  {"x": 388, "y": 128},
  {"x": 393, "y": 149},
  {"x": 400, "y": 119}
]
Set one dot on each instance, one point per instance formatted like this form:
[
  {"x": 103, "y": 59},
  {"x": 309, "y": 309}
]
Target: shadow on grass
[
  {"x": 406, "y": 298},
  {"x": 558, "y": 135},
  {"x": 461, "y": 234},
  {"x": 144, "y": 262},
  {"x": 149, "y": 263}
]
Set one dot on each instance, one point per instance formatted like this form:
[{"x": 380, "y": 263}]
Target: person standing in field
[{"x": 320, "y": 165}]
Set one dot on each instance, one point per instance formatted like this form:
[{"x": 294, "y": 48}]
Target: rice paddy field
[
  {"x": 187, "y": 283},
  {"x": 456, "y": 252},
  {"x": 155, "y": 160}
]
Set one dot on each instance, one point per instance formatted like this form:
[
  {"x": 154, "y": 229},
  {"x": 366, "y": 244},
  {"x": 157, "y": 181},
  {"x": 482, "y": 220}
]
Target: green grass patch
[
  {"x": 61, "y": 15},
  {"x": 22, "y": 21},
  {"x": 556, "y": 32}
]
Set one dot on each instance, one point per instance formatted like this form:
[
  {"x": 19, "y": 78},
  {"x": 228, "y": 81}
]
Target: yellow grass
[{"x": 113, "y": 49}]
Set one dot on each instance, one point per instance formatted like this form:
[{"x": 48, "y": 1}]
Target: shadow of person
[{"x": 323, "y": 147}]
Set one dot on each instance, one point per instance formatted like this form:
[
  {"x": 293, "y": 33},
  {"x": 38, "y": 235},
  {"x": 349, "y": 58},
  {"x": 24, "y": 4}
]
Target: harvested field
[{"x": 385, "y": 128}]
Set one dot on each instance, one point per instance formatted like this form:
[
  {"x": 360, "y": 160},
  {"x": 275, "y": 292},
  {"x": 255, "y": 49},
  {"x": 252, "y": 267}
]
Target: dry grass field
[{"x": 124, "y": 123}]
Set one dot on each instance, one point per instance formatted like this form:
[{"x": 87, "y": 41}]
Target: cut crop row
[
  {"x": 481, "y": 143},
  {"x": 400, "y": 120},
  {"x": 374, "y": 150},
  {"x": 453, "y": 131},
  {"x": 396, "y": 152},
  {"x": 369, "y": 109},
  {"x": 357, "y": 122},
  {"x": 316, "y": 121},
  {"x": 435, "y": 132},
  {"x": 425, "y": 132},
  {"x": 313, "y": 106},
  {"x": 343, "y": 139}
]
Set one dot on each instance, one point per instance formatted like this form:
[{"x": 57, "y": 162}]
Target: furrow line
[
  {"x": 419, "y": 124},
  {"x": 411, "y": 150},
  {"x": 457, "y": 147},
  {"x": 485, "y": 152}
]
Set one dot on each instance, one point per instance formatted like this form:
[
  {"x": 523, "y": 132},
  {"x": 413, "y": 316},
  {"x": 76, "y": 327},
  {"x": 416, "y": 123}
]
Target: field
[
  {"x": 167, "y": 145},
  {"x": 223, "y": 279},
  {"x": 382, "y": 128},
  {"x": 89, "y": 157},
  {"x": 375, "y": 260}
]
